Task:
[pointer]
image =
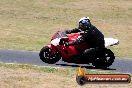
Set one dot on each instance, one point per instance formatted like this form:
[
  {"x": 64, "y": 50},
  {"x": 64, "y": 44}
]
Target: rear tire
[
  {"x": 45, "y": 55},
  {"x": 104, "y": 62}
]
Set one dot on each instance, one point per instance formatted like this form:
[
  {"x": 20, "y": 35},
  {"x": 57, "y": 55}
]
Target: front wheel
[
  {"x": 47, "y": 57},
  {"x": 105, "y": 61}
]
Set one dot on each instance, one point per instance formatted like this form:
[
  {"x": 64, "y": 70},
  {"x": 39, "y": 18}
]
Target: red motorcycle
[{"x": 57, "y": 50}]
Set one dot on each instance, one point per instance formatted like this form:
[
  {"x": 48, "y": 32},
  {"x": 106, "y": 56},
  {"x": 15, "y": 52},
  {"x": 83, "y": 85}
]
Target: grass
[
  {"x": 29, "y": 24},
  {"x": 60, "y": 71},
  {"x": 28, "y": 76}
]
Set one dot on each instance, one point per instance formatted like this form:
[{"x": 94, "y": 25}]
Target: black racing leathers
[{"x": 92, "y": 36}]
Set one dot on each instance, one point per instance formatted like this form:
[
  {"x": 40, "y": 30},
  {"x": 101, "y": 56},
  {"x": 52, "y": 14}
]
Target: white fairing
[
  {"x": 111, "y": 41},
  {"x": 108, "y": 41},
  {"x": 55, "y": 42}
]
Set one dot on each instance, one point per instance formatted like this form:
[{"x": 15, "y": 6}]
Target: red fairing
[
  {"x": 73, "y": 37},
  {"x": 53, "y": 37},
  {"x": 82, "y": 46},
  {"x": 67, "y": 51}
]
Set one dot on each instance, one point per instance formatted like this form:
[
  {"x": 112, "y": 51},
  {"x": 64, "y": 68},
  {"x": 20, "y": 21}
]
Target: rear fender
[{"x": 111, "y": 42}]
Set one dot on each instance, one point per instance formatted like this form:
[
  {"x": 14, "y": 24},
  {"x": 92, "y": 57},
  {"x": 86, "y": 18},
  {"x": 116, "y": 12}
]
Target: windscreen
[{"x": 60, "y": 34}]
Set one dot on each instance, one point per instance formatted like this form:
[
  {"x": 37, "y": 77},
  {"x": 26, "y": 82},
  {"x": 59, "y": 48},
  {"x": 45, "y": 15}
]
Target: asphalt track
[{"x": 28, "y": 57}]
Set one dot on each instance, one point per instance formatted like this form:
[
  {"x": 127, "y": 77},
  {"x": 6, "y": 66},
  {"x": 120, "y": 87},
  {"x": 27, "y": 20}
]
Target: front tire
[
  {"x": 45, "y": 55},
  {"x": 105, "y": 61}
]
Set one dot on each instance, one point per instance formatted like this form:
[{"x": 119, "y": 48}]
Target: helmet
[{"x": 84, "y": 23}]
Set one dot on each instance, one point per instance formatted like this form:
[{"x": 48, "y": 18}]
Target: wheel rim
[
  {"x": 106, "y": 60},
  {"x": 47, "y": 55},
  {"x": 109, "y": 58}
]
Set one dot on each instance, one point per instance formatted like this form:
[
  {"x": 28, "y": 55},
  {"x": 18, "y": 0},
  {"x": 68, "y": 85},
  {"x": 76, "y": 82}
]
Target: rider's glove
[{"x": 67, "y": 31}]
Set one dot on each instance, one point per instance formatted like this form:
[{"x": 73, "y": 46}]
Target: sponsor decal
[{"x": 83, "y": 78}]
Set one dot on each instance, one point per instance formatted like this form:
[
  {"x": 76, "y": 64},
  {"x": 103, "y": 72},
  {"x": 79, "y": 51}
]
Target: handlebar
[{"x": 63, "y": 40}]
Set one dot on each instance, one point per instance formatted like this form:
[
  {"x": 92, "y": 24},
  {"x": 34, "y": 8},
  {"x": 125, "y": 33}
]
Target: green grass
[
  {"x": 59, "y": 71},
  {"x": 29, "y": 24},
  {"x": 28, "y": 76}
]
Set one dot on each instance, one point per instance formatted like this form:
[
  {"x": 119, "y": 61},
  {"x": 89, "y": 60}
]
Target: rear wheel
[
  {"x": 47, "y": 57},
  {"x": 105, "y": 60}
]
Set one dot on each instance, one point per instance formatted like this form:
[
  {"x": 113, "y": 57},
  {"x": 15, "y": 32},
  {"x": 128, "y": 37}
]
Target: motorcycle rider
[{"x": 92, "y": 36}]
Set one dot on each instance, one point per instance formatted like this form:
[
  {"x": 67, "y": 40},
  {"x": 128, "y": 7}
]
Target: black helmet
[{"x": 84, "y": 23}]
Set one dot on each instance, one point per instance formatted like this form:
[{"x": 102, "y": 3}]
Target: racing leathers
[{"x": 92, "y": 36}]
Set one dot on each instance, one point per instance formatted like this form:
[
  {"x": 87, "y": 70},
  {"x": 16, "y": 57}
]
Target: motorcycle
[{"x": 57, "y": 50}]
